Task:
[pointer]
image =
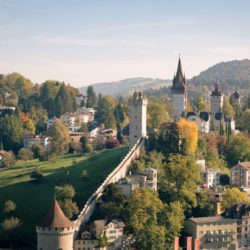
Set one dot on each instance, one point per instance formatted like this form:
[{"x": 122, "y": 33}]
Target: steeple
[
  {"x": 55, "y": 218},
  {"x": 216, "y": 91},
  {"x": 179, "y": 81}
]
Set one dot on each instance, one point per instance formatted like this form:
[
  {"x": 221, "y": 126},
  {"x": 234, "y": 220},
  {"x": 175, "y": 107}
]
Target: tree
[
  {"x": 121, "y": 115},
  {"x": 60, "y": 137},
  {"x": 245, "y": 120},
  {"x": 65, "y": 192},
  {"x": 238, "y": 149},
  {"x": 180, "y": 180},
  {"x": 233, "y": 196},
  {"x": 144, "y": 208},
  {"x": 8, "y": 159},
  {"x": 9, "y": 206},
  {"x": 11, "y": 132},
  {"x": 227, "y": 108},
  {"x": 25, "y": 154},
  {"x": 157, "y": 113},
  {"x": 91, "y": 97},
  {"x": 38, "y": 151},
  {"x": 36, "y": 175},
  {"x": 112, "y": 143},
  {"x": 11, "y": 224},
  {"x": 86, "y": 146},
  {"x": 64, "y": 195},
  {"x": 189, "y": 135},
  {"x": 200, "y": 104},
  {"x": 69, "y": 207},
  {"x": 40, "y": 118}
]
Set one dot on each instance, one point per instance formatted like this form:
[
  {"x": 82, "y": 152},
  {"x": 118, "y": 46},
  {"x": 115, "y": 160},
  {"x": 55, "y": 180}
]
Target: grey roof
[
  {"x": 207, "y": 220},
  {"x": 237, "y": 211},
  {"x": 216, "y": 91},
  {"x": 204, "y": 115}
]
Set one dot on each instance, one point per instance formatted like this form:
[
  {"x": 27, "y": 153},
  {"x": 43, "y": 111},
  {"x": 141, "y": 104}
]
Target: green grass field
[{"x": 33, "y": 199}]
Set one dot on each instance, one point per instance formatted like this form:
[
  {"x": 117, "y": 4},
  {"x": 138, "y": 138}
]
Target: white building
[
  {"x": 30, "y": 140},
  {"x": 211, "y": 177},
  {"x": 137, "y": 117},
  {"x": 179, "y": 93},
  {"x": 202, "y": 120}
]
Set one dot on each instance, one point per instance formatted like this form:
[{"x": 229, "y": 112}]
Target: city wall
[{"x": 119, "y": 172}]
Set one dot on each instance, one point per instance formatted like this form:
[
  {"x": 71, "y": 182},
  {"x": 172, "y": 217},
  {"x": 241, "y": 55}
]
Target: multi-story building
[
  {"x": 213, "y": 232},
  {"x": 216, "y": 99},
  {"x": 241, "y": 213},
  {"x": 240, "y": 175},
  {"x": 179, "y": 93},
  {"x": 210, "y": 177}
]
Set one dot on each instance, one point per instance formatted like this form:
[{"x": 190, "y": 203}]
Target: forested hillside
[
  {"x": 234, "y": 74},
  {"x": 126, "y": 86}
]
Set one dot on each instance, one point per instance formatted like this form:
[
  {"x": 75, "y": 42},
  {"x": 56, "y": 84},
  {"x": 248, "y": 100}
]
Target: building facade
[
  {"x": 179, "y": 93},
  {"x": 137, "y": 117},
  {"x": 216, "y": 99},
  {"x": 240, "y": 175},
  {"x": 213, "y": 232}
]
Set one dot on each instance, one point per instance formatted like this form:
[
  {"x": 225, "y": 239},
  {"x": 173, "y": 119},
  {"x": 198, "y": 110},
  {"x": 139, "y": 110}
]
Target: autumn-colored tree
[
  {"x": 189, "y": 134},
  {"x": 233, "y": 196}
]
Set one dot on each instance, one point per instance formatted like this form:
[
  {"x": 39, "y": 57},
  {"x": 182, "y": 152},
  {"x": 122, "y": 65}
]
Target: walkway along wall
[{"x": 119, "y": 172}]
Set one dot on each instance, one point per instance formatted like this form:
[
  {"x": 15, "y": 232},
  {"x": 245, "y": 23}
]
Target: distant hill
[
  {"x": 233, "y": 74},
  {"x": 125, "y": 87}
]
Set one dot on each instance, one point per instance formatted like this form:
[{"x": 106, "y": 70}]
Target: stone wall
[{"x": 119, "y": 172}]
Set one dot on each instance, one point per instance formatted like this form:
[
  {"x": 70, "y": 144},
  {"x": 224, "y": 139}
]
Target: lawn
[{"x": 33, "y": 199}]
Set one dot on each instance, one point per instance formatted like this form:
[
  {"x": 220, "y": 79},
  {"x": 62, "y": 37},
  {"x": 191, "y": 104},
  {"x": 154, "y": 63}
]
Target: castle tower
[
  {"x": 216, "y": 99},
  {"x": 179, "y": 93},
  {"x": 55, "y": 231},
  {"x": 137, "y": 117}
]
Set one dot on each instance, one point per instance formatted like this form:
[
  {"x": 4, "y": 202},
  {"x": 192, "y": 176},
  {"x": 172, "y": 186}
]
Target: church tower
[
  {"x": 179, "y": 93},
  {"x": 216, "y": 99},
  {"x": 55, "y": 231},
  {"x": 137, "y": 117}
]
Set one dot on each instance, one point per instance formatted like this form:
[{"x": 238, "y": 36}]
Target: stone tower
[
  {"x": 55, "y": 231},
  {"x": 216, "y": 99},
  {"x": 179, "y": 93},
  {"x": 137, "y": 117}
]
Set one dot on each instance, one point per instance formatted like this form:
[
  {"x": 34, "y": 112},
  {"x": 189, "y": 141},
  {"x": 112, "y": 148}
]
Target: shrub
[
  {"x": 112, "y": 143},
  {"x": 25, "y": 154},
  {"x": 36, "y": 175},
  {"x": 9, "y": 206}
]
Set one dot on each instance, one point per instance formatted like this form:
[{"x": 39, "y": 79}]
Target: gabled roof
[
  {"x": 55, "y": 218},
  {"x": 218, "y": 116},
  {"x": 237, "y": 211},
  {"x": 179, "y": 81}
]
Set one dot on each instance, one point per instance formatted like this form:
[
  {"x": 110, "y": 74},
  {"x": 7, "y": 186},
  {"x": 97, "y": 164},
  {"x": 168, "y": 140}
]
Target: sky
[{"x": 88, "y": 41}]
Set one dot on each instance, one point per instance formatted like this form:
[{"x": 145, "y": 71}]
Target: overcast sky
[{"x": 87, "y": 41}]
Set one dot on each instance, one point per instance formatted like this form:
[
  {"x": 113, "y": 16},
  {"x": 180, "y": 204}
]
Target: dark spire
[
  {"x": 216, "y": 91},
  {"x": 179, "y": 81}
]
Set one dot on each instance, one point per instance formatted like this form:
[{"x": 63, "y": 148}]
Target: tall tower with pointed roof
[
  {"x": 179, "y": 92},
  {"x": 216, "y": 99},
  {"x": 55, "y": 231}
]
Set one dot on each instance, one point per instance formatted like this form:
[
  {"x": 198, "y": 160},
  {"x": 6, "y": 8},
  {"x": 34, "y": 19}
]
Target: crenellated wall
[{"x": 119, "y": 172}]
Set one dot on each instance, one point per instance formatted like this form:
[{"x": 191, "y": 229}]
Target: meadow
[{"x": 33, "y": 199}]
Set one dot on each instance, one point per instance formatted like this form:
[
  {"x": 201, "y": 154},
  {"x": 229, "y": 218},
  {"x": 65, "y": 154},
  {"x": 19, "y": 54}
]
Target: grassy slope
[{"x": 33, "y": 200}]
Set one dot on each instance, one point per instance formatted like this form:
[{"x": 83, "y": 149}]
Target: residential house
[
  {"x": 146, "y": 179},
  {"x": 202, "y": 120},
  {"x": 113, "y": 230},
  {"x": 213, "y": 232},
  {"x": 31, "y": 139},
  {"x": 86, "y": 241},
  {"x": 210, "y": 177},
  {"x": 240, "y": 175}
]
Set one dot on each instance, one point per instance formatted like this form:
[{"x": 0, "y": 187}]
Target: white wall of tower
[
  {"x": 179, "y": 104},
  {"x": 216, "y": 104},
  {"x": 55, "y": 238},
  {"x": 137, "y": 118}
]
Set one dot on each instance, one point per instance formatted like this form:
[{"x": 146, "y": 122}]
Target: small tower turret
[
  {"x": 55, "y": 231},
  {"x": 216, "y": 99},
  {"x": 137, "y": 117},
  {"x": 179, "y": 93}
]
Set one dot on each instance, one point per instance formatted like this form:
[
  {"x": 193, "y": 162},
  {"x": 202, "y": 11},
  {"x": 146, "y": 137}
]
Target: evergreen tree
[{"x": 91, "y": 97}]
